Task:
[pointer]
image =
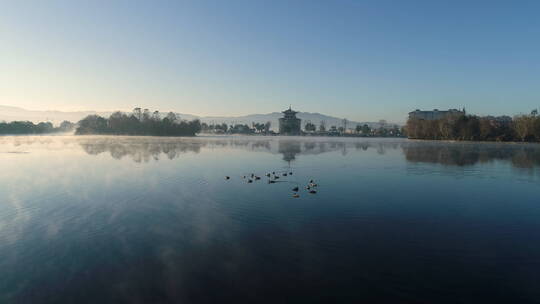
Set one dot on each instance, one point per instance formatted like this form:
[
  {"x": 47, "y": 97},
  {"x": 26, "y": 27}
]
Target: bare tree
[{"x": 322, "y": 126}]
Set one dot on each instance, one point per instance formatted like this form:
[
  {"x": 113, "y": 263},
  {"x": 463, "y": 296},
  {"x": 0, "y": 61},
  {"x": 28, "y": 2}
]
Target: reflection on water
[
  {"x": 468, "y": 154},
  {"x": 144, "y": 149},
  {"x": 152, "y": 220}
]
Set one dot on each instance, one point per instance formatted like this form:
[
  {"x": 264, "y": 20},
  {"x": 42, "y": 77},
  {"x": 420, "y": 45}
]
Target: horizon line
[{"x": 178, "y": 112}]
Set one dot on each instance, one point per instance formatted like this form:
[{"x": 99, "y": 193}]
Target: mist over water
[{"x": 153, "y": 220}]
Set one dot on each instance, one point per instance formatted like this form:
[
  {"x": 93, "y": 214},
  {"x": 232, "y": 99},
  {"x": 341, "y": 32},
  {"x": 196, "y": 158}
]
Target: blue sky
[{"x": 364, "y": 60}]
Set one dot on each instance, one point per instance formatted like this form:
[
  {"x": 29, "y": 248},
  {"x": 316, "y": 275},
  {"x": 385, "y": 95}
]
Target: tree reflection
[
  {"x": 468, "y": 154},
  {"x": 139, "y": 150},
  {"x": 144, "y": 149}
]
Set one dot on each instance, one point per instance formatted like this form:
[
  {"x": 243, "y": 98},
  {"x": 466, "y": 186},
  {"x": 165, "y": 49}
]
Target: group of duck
[
  {"x": 311, "y": 188},
  {"x": 273, "y": 177}
]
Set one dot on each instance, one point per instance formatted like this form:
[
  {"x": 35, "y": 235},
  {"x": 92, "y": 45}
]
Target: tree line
[
  {"x": 359, "y": 130},
  {"x": 524, "y": 128},
  {"x": 139, "y": 122},
  {"x": 223, "y": 128},
  {"x": 28, "y": 127}
]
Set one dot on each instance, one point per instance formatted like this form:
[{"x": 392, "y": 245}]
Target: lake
[{"x": 154, "y": 220}]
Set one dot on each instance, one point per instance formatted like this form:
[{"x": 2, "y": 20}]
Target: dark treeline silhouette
[
  {"x": 384, "y": 130},
  {"x": 223, "y": 128},
  {"x": 140, "y": 122},
  {"x": 28, "y": 127},
  {"x": 524, "y": 128}
]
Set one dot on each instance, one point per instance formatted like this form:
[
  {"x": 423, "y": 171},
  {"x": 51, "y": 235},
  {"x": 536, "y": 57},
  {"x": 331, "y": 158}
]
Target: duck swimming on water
[
  {"x": 250, "y": 181},
  {"x": 295, "y": 189},
  {"x": 271, "y": 181},
  {"x": 312, "y": 191},
  {"x": 227, "y": 177},
  {"x": 296, "y": 195}
]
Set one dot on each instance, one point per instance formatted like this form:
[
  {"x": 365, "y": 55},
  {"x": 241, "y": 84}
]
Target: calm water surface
[{"x": 153, "y": 220}]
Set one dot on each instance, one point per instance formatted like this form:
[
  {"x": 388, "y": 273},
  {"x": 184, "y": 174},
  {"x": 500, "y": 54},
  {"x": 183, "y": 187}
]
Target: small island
[{"x": 140, "y": 122}]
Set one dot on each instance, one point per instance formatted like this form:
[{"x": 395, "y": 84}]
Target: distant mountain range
[{"x": 9, "y": 113}]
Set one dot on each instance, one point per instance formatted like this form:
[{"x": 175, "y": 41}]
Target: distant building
[
  {"x": 289, "y": 124},
  {"x": 499, "y": 119},
  {"x": 435, "y": 114}
]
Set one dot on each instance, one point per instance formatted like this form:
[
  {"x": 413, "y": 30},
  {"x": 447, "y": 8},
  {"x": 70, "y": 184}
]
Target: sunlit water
[{"x": 153, "y": 220}]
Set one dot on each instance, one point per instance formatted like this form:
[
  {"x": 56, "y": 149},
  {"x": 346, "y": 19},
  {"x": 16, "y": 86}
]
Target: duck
[
  {"x": 250, "y": 181},
  {"x": 295, "y": 189},
  {"x": 271, "y": 181},
  {"x": 268, "y": 174},
  {"x": 276, "y": 177},
  {"x": 308, "y": 187},
  {"x": 284, "y": 174},
  {"x": 312, "y": 191},
  {"x": 257, "y": 178},
  {"x": 227, "y": 177},
  {"x": 290, "y": 173},
  {"x": 274, "y": 172},
  {"x": 311, "y": 181},
  {"x": 296, "y": 195}
]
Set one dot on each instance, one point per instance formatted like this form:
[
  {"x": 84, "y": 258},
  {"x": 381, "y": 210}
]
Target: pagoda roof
[{"x": 289, "y": 111}]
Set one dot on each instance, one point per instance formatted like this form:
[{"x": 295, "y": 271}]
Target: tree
[
  {"x": 486, "y": 129},
  {"x": 92, "y": 124},
  {"x": 366, "y": 130},
  {"x": 146, "y": 115},
  {"x": 471, "y": 127},
  {"x": 156, "y": 116},
  {"x": 322, "y": 126},
  {"x": 523, "y": 124},
  {"x": 259, "y": 127},
  {"x": 137, "y": 113},
  {"x": 382, "y": 132},
  {"x": 66, "y": 126},
  {"x": 44, "y": 127},
  {"x": 205, "y": 127},
  {"x": 267, "y": 126},
  {"x": 536, "y": 128},
  {"x": 240, "y": 129},
  {"x": 310, "y": 127},
  {"x": 445, "y": 128},
  {"x": 395, "y": 131},
  {"x": 171, "y": 117},
  {"x": 122, "y": 124},
  {"x": 223, "y": 127}
]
